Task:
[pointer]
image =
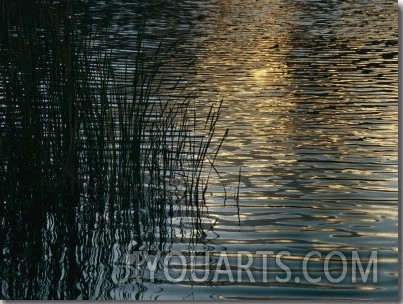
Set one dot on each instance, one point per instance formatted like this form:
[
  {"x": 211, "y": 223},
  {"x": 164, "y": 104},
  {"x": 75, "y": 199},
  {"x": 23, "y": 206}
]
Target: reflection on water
[
  {"x": 311, "y": 91},
  {"x": 310, "y": 94}
]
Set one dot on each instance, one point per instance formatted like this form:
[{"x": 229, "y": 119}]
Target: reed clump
[{"x": 82, "y": 140}]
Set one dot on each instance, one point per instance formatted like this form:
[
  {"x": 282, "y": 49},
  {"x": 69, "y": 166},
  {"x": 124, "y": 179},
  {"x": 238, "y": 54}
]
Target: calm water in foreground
[{"x": 310, "y": 100}]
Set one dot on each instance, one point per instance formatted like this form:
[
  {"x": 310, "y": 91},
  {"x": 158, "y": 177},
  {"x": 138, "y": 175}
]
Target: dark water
[{"x": 310, "y": 100}]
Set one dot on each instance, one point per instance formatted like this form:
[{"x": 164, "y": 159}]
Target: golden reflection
[
  {"x": 314, "y": 132},
  {"x": 249, "y": 58},
  {"x": 380, "y": 234},
  {"x": 366, "y": 287}
]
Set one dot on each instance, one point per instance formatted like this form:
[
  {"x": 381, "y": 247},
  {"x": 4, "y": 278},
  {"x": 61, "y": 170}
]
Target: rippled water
[
  {"x": 310, "y": 100},
  {"x": 311, "y": 95},
  {"x": 310, "y": 90}
]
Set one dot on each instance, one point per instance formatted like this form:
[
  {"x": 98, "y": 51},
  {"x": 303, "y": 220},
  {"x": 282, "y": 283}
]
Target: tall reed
[{"x": 82, "y": 140}]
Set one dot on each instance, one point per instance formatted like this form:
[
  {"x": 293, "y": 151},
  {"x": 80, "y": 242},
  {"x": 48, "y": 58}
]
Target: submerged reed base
[{"x": 89, "y": 152}]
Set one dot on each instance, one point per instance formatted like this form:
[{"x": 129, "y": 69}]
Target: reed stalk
[{"x": 81, "y": 139}]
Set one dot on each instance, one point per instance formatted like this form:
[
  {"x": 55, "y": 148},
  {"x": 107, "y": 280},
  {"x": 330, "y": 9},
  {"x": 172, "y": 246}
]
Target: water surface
[
  {"x": 310, "y": 95},
  {"x": 311, "y": 91},
  {"x": 309, "y": 163}
]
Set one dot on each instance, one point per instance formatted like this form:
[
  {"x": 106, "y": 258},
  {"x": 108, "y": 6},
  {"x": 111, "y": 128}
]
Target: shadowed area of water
[{"x": 309, "y": 163}]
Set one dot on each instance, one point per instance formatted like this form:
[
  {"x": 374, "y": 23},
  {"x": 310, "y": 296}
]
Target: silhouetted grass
[{"x": 84, "y": 143}]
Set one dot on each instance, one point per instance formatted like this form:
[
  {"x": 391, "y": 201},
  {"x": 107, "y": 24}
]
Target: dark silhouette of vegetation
[{"x": 89, "y": 151}]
